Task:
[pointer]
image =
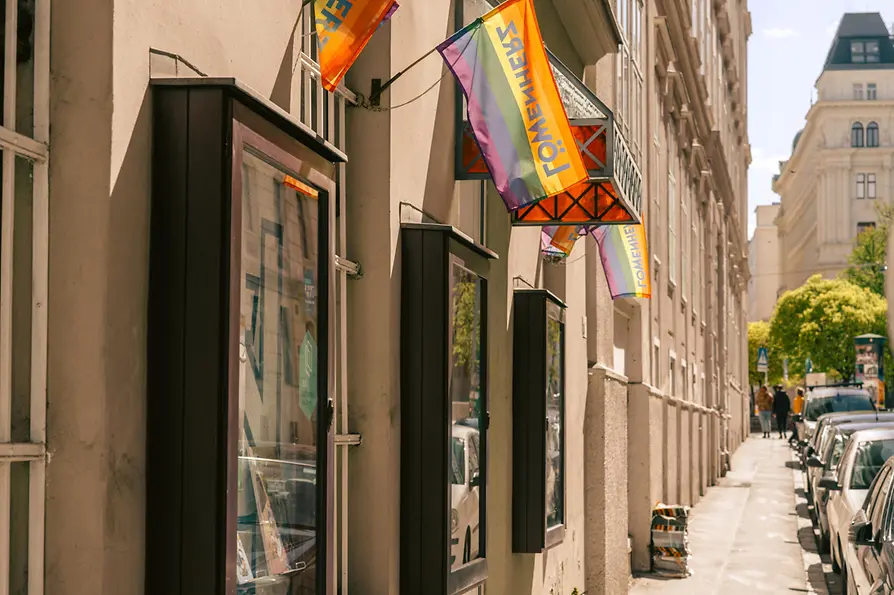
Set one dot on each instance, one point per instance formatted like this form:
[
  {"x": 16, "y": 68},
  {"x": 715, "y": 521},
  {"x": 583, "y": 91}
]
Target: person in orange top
[
  {"x": 764, "y": 402},
  {"x": 797, "y": 406}
]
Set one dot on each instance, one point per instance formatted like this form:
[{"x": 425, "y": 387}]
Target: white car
[
  {"x": 864, "y": 455},
  {"x": 465, "y": 513}
]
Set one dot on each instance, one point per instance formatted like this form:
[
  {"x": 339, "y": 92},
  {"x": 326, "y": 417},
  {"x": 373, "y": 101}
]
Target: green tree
[
  {"x": 759, "y": 336},
  {"x": 820, "y": 319},
  {"x": 867, "y": 260}
]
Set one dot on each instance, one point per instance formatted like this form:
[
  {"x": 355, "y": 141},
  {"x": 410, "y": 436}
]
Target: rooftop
[{"x": 862, "y": 42}]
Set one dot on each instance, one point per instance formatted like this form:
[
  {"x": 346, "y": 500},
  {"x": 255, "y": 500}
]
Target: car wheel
[{"x": 467, "y": 546}]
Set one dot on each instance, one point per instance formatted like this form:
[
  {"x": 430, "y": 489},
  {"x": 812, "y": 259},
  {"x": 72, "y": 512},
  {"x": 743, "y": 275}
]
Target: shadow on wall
[
  {"x": 440, "y": 178},
  {"x": 126, "y": 295}
]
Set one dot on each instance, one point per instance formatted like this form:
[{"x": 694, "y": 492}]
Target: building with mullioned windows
[
  {"x": 256, "y": 337},
  {"x": 842, "y": 162}
]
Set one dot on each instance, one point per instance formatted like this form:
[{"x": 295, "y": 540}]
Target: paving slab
[{"x": 743, "y": 534}]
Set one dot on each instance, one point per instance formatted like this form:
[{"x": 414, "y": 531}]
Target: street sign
[{"x": 763, "y": 360}]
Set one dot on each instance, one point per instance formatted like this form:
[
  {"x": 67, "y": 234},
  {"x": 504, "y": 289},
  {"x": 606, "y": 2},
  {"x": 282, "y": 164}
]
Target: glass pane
[
  {"x": 555, "y": 414},
  {"x": 278, "y": 401},
  {"x": 467, "y": 408},
  {"x": 24, "y": 120},
  {"x": 21, "y": 298},
  {"x": 19, "y": 501}
]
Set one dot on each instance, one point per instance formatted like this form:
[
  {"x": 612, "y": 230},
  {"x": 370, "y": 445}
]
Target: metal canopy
[{"x": 611, "y": 195}]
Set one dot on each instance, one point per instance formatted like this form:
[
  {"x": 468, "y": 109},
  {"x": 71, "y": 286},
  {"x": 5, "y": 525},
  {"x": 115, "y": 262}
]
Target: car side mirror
[
  {"x": 860, "y": 532},
  {"x": 475, "y": 480},
  {"x": 829, "y": 483},
  {"x": 813, "y": 461}
]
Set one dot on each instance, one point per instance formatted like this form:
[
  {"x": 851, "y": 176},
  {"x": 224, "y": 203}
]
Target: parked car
[
  {"x": 829, "y": 508},
  {"x": 869, "y": 551},
  {"x": 465, "y": 514},
  {"x": 821, "y": 401},
  {"x": 826, "y": 422},
  {"x": 821, "y": 435}
]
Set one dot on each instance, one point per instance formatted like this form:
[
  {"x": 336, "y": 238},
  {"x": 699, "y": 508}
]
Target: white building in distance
[
  {"x": 764, "y": 264},
  {"x": 842, "y": 162}
]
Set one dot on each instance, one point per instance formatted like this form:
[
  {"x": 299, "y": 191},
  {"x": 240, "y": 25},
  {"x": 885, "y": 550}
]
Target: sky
[{"x": 786, "y": 54}]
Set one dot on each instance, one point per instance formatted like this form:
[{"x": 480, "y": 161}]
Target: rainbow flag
[
  {"x": 344, "y": 27},
  {"x": 514, "y": 107},
  {"x": 389, "y": 14},
  {"x": 558, "y": 240},
  {"x": 625, "y": 258}
]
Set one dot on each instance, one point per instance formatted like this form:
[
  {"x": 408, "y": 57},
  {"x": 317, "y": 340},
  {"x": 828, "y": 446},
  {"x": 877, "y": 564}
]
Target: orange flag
[{"x": 344, "y": 27}]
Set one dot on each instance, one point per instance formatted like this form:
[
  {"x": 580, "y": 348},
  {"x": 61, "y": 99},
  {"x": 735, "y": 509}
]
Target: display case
[
  {"x": 538, "y": 421},
  {"x": 239, "y": 436},
  {"x": 444, "y": 412}
]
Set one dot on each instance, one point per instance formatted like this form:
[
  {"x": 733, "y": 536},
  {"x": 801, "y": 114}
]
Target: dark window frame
[
  {"x": 857, "y": 135},
  {"x": 193, "y": 314},
  {"x": 429, "y": 251},
  {"x": 858, "y": 52},
  {"x": 872, "y": 135},
  {"x": 530, "y": 424}
]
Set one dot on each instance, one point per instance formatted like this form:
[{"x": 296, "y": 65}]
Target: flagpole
[{"x": 374, "y": 97}]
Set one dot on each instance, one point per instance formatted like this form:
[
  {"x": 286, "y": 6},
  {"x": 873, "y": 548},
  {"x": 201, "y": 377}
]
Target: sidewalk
[{"x": 744, "y": 532}]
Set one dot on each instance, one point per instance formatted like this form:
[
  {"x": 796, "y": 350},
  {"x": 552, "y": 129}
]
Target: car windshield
[
  {"x": 850, "y": 402},
  {"x": 870, "y": 458}
]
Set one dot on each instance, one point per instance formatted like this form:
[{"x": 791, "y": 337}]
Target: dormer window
[
  {"x": 872, "y": 51},
  {"x": 858, "y": 52}
]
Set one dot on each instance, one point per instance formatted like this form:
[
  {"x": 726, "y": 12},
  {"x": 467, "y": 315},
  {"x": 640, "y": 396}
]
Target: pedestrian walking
[
  {"x": 797, "y": 406},
  {"x": 764, "y": 401},
  {"x": 781, "y": 407}
]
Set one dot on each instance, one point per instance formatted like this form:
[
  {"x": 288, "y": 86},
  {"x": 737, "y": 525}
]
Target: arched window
[
  {"x": 872, "y": 135},
  {"x": 857, "y": 134}
]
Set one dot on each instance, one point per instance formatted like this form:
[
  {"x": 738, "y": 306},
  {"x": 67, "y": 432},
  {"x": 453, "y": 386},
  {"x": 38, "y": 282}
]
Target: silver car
[
  {"x": 825, "y": 464},
  {"x": 864, "y": 456}
]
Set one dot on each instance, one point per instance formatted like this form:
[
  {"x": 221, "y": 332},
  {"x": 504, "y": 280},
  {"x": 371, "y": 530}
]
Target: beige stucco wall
[{"x": 100, "y": 192}]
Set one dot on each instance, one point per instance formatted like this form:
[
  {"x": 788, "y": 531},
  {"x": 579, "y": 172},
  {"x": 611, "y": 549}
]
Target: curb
[{"x": 814, "y": 569}]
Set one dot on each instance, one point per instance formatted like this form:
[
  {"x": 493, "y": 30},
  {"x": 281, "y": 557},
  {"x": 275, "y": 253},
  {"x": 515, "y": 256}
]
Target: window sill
[
  {"x": 468, "y": 577},
  {"x": 554, "y": 536}
]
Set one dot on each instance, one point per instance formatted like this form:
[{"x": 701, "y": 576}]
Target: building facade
[
  {"x": 260, "y": 338},
  {"x": 841, "y": 165},
  {"x": 764, "y": 262}
]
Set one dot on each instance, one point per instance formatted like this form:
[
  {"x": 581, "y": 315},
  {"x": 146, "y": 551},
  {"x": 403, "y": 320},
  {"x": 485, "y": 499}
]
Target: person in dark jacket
[{"x": 781, "y": 407}]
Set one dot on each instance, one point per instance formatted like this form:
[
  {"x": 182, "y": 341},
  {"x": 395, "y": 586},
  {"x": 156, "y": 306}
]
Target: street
[{"x": 751, "y": 533}]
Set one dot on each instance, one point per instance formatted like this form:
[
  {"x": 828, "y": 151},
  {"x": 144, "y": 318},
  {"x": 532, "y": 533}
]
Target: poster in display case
[{"x": 239, "y": 437}]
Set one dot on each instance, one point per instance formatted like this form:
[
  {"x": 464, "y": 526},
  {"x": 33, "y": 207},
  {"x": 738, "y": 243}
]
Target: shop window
[
  {"x": 239, "y": 435},
  {"x": 444, "y": 416},
  {"x": 538, "y": 421}
]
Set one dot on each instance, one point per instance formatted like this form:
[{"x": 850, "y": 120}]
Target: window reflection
[
  {"x": 278, "y": 401},
  {"x": 555, "y": 481},
  {"x": 466, "y": 398}
]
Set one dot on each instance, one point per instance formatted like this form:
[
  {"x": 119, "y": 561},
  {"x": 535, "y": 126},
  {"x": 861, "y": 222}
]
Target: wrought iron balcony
[{"x": 612, "y": 194}]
